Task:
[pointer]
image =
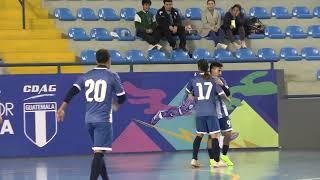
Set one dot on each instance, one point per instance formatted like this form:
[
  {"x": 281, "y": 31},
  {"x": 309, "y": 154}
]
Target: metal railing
[
  {"x": 59, "y": 65},
  {"x": 23, "y": 8}
]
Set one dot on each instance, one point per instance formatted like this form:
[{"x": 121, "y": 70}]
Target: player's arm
[
  {"x": 222, "y": 83},
  {"x": 1, "y": 120},
  {"x": 121, "y": 94},
  {"x": 74, "y": 90},
  {"x": 222, "y": 94}
]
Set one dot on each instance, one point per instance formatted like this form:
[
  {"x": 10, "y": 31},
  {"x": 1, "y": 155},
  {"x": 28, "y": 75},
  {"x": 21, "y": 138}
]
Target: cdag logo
[{"x": 40, "y": 122}]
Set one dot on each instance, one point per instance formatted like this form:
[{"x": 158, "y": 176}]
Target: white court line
[{"x": 316, "y": 178}]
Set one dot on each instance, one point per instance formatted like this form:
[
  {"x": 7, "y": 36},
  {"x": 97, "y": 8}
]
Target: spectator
[
  {"x": 211, "y": 23},
  {"x": 169, "y": 24},
  {"x": 146, "y": 26},
  {"x": 233, "y": 24}
]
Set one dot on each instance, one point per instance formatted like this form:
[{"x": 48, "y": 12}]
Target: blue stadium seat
[
  {"x": 180, "y": 56},
  {"x": 136, "y": 56},
  {"x": 88, "y": 56},
  {"x": 224, "y": 55},
  {"x": 267, "y": 54},
  {"x": 128, "y": 13},
  {"x": 280, "y": 12},
  {"x": 78, "y": 34},
  {"x": 290, "y": 54},
  {"x": 153, "y": 11},
  {"x": 193, "y": 13},
  {"x": 101, "y": 34},
  {"x": 108, "y": 14},
  {"x": 221, "y": 11},
  {"x": 157, "y": 56},
  {"x": 259, "y": 12},
  {"x": 200, "y": 53},
  {"x": 296, "y": 32},
  {"x": 193, "y": 37},
  {"x": 246, "y": 54},
  {"x": 124, "y": 34},
  {"x": 64, "y": 14},
  {"x": 318, "y": 74},
  {"x": 301, "y": 12},
  {"x": 310, "y": 53},
  {"x": 314, "y": 31},
  {"x": 116, "y": 57},
  {"x": 316, "y": 12},
  {"x": 87, "y": 14},
  {"x": 274, "y": 32}
]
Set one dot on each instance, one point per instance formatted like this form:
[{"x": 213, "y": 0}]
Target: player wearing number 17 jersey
[
  {"x": 100, "y": 86},
  {"x": 205, "y": 91}
]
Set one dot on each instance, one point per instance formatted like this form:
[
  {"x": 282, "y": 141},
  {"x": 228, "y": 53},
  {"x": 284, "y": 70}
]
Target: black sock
[
  {"x": 215, "y": 149},
  {"x": 210, "y": 153},
  {"x": 225, "y": 149},
  {"x": 196, "y": 146},
  {"x": 104, "y": 173},
  {"x": 96, "y": 166}
]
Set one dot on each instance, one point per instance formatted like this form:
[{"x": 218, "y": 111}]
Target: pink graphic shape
[
  {"x": 133, "y": 139},
  {"x": 153, "y": 97}
]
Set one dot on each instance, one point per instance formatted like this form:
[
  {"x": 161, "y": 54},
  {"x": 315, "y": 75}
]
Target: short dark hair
[
  {"x": 146, "y": 2},
  {"x": 164, "y": 1},
  {"x": 211, "y": 0},
  {"x": 237, "y": 6},
  {"x": 102, "y": 56},
  {"x": 215, "y": 64}
]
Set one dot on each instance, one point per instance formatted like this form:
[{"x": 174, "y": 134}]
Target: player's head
[
  {"x": 168, "y": 5},
  {"x": 103, "y": 57},
  {"x": 146, "y": 4},
  {"x": 203, "y": 67},
  {"x": 216, "y": 69},
  {"x": 211, "y": 4}
]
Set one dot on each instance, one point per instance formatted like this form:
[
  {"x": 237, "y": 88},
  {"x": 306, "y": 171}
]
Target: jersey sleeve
[
  {"x": 118, "y": 88},
  {"x": 79, "y": 83},
  {"x": 189, "y": 87},
  {"x": 224, "y": 83},
  {"x": 219, "y": 90}
]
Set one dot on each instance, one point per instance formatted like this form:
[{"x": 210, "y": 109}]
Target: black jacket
[
  {"x": 240, "y": 20},
  {"x": 163, "y": 18}
]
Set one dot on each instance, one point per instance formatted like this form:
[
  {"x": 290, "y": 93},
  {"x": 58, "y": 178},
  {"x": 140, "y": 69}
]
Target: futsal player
[
  {"x": 99, "y": 84},
  {"x": 203, "y": 89},
  {"x": 222, "y": 112}
]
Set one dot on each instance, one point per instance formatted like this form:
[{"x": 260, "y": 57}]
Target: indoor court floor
[{"x": 255, "y": 165}]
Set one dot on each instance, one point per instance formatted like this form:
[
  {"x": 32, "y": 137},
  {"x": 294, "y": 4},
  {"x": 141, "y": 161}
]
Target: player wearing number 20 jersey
[{"x": 100, "y": 86}]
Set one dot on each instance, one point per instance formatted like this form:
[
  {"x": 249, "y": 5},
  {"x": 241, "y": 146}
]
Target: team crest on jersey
[{"x": 40, "y": 122}]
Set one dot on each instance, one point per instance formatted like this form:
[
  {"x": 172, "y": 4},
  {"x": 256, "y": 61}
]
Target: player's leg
[
  {"x": 226, "y": 129},
  {"x": 102, "y": 144},
  {"x": 214, "y": 133},
  {"x": 209, "y": 147},
  {"x": 201, "y": 130}
]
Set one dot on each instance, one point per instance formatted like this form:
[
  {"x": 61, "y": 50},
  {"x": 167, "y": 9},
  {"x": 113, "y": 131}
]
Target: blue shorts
[
  {"x": 225, "y": 124},
  {"x": 207, "y": 125},
  {"x": 101, "y": 135}
]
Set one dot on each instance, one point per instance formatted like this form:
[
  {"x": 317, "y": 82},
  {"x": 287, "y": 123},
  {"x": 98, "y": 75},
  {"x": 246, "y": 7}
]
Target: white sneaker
[
  {"x": 158, "y": 46},
  {"x": 221, "y": 46},
  {"x": 151, "y": 47},
  {"x": 236, "y": 45},
  {"x": 222, "y": 164},
  {"x": 194, "y": 163}
]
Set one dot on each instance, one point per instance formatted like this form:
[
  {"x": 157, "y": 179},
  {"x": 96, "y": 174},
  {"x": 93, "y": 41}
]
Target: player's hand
[
  {"x": 190, "y": 97},
  {"x": 219, "y": 82},
  {"x": 1, "y": 120},
  {"x": 149, "y": 31},
  {"x": 60, "y": 115},
  {"x": 115, "y": 106},
  {"x": 171, "y": 28}
]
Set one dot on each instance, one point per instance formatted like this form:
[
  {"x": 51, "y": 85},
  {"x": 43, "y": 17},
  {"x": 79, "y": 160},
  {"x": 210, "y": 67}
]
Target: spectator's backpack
[{"x": 255, "y": 26}]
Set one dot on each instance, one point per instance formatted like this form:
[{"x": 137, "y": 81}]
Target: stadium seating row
[
  {"x": 124, "y": 34},
  {"x": 109, "y": 14},
  {"x": 245, "y": 54}
]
